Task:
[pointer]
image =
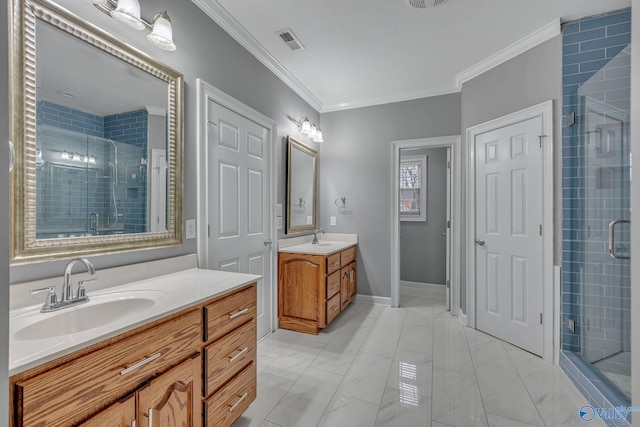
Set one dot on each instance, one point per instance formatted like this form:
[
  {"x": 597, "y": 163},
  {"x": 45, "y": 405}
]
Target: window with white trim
[{"x": 413, "y": 188}]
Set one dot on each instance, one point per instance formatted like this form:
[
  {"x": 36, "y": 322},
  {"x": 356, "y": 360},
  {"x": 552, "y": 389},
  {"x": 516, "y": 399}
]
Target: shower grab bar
[{"x": 612, "y": 243}]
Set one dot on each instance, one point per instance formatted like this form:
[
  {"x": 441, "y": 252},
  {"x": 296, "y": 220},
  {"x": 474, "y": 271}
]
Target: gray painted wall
[
  {"x": 355, "y": 162},
  {"x": 526, "y": 80},
  {"x": 422, "y": 246},
  {"x": 4, "y": 227},
  {"x": 204, "y": 51}
]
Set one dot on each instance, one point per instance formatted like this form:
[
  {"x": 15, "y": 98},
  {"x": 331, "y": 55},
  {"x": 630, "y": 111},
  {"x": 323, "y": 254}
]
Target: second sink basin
[{"x": 99, "y": 311}]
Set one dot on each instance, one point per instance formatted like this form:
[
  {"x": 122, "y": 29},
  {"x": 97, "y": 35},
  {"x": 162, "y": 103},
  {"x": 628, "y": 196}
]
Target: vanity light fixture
[
  {"x": 128, "y": 12},
  {"x": 308, "y": 129}
]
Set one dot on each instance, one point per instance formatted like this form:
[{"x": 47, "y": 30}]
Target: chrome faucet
[
  {"x": 315, "y": 236},
  {"x": 52, "y": 303},
  {"x": 67, "y": 286}
]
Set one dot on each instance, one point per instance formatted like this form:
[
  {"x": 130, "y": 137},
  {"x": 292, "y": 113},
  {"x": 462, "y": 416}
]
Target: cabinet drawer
[
  {"x": 333, "y": 263},
  {"x": 224, "y": 407},
  {"x": 77, "y": 388},
  {"x": 347, "y": 256},
  {"x": 333, "y": 284},
  {"x": 227, "y": 356},
  {"x": 228, "y": 313},
  {"x": 333, "y": 307}
]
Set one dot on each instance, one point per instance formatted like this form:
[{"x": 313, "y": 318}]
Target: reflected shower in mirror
[
  {"x": 98, "y": 132},
  {"x": 301, "y": 187},
  {"x": 93, "y": 140}
]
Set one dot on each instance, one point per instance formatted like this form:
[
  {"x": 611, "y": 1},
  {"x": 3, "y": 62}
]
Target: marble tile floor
[{"x": 410, "y": 366}]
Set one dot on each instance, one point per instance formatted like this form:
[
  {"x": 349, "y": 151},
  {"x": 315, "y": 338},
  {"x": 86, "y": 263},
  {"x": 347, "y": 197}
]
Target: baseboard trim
[
  {"x": 420, "y": 285},
  {"x": 462, "y": 318},
  {"x": 370, "y": 299}
]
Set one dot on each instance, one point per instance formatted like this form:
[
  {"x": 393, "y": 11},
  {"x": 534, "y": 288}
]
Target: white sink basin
[{"x": 99, "y": 311}]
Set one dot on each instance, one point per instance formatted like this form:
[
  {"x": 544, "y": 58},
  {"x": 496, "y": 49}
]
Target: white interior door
[
  {"x": 238, "y": 202},
  {"x": 509, "y": 243}
]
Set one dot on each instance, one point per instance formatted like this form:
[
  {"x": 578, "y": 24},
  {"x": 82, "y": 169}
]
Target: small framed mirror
[
  {"x": 302, "y": 177},
  {"x": 98, "y": 131}
]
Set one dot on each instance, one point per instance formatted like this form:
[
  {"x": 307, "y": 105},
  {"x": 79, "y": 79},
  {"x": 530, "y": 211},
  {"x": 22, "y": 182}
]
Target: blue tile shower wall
[
  {"x": 58, "y": 116},
  {"x": 588, "y": 45},
  {"x": 131, "y": 128},
  {"x": 595, "y": 176},
  {"x": 66, "y": 208}
]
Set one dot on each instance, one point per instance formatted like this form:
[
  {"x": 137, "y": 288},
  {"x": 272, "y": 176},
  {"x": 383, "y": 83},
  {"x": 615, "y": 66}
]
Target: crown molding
[
  {"x": 156, "y": 111},
  {"x": 532, "y": 40},
  {"x": 408, "y": 96},
  {"x": 228, "y": 23}
]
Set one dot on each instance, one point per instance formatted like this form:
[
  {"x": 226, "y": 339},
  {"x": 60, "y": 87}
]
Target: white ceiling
[{"x": 367, "y": 52}]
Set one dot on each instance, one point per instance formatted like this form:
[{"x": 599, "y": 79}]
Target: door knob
[
  {"x": 480, "y": 242},
  {"x": 268, "y": 242}
]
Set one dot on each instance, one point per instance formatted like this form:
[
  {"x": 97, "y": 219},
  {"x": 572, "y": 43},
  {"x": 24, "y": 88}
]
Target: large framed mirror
[
  {"x": 97, "y": 127},
  {"x": 302, "y": 178}
]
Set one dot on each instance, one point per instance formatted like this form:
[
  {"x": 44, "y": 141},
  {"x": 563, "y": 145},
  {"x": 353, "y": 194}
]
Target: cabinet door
[
  {"x": 173, "y": 399},
  {"x": 120, "y": 414},
  {"x": 352, "y": 281},
  {"x": 344, "y": 286}
]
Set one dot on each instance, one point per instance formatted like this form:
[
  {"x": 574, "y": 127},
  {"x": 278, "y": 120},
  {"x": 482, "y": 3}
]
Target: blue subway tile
[
  {"x": 622, "y": 39},
  {"x": 616, "y": 29},
  {"x": 582, "y": 36},
  {"x": 583, "y": 56},
  {"x": 602, "y": 21}
]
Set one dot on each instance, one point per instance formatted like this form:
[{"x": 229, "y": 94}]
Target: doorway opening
[{"x": 450, "y": 147}]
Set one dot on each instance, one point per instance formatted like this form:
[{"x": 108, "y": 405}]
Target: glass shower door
[{"x": 604, "y": 232}]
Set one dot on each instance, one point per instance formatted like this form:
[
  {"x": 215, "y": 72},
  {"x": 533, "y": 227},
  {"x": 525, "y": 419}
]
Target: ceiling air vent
[
  {"x": 290, "y": 39},
  {"x": 423, "y": 4}
]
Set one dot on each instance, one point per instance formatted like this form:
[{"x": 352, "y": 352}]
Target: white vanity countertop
[
  {"x": 328, "y": 244},
  {"x": 172, "y": 293}
]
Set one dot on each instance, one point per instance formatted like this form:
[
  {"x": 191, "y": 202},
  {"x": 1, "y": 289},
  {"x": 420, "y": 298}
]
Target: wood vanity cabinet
[
  {"x": 314, "y": 289},
  {"x": 172, "y": 368},
  {"x": 172, "y": 399}
]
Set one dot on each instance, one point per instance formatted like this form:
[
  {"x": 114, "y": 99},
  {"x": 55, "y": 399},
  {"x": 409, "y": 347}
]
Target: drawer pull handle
[
  {"x": 133, "y": 423},
  {"x": 240, "y": 353},
  {"x": 238, "y": 313},
  {"x": 140, "y": 363},
  {"x": 335, "y": 285},
  {"x": 335, "y": 308},
  {"x": 333, "y": 264},
  {"x": 235, "y": 405},
  {"x": 150, "y": 417}
]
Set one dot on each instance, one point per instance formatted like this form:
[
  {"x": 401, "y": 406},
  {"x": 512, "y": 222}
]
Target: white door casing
[
  {"x": 158, "y": 195},
  {"x": 447, "y": 233},
  {"x": 509, "y": 234},
  {"x": 452, "y": 142},
  {"x": 488, "y": 261},
  {"x": 236, "y": 188}
]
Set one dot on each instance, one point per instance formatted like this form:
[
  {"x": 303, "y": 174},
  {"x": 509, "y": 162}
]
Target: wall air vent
[
  {"x": 290, "y": 39},
  {"x": 423, "y": 4}
]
